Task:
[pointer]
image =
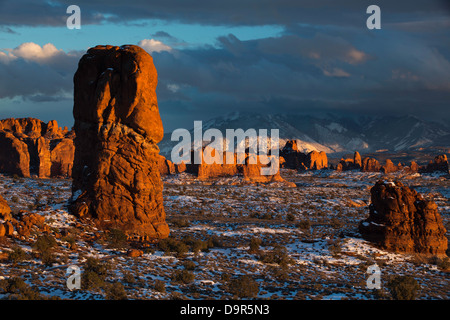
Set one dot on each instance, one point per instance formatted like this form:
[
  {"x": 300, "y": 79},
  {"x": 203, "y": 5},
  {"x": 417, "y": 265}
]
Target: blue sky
[{"x": 217, "y": 57}]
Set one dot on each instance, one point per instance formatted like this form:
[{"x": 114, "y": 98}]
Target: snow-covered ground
[{"x": 313, "y": 226}]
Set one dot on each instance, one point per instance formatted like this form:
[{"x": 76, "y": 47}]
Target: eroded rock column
[{"x": 116, "y": 179}]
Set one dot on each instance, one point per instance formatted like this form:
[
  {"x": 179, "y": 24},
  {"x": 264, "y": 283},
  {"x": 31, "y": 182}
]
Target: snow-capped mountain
[{"x": 334, "y": 134}]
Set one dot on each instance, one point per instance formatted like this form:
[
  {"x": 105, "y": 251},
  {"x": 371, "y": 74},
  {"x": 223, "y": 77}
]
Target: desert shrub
[
  {"x": 18, "y": 289},
  {"x": 290, "y": 217},
  {"x": 255, "y": 243},
  {"x": 159, "y": 286},
  {"x": 180, "y": 222},
  {"x": 278, "y": 255},
  {"x": 304, "y": 224},
  {"x": 214, "y": 242},
  {"x": 44, "y": 246},
  {"x": 128, "y": 278},
  {"x": 173, "y": 245},
  {"x": 403, "y": 288},
  {"x": 199, "y": 245},
  {"x": 189, "y": 265},
  {"x": 94, "y": 274},
  {"x": 183, "y": 276},
  {"x": 115, "y": 291},
  {"x": 243, "y": 287},
  {"x": 117, "y": 239},
  {"x": 17, "y": 255},
  {"x": 335, "y": 248}
]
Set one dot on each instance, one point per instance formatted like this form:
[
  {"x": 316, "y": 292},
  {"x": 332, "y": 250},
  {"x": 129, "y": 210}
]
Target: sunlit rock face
[{"x": 116, "y": 179}]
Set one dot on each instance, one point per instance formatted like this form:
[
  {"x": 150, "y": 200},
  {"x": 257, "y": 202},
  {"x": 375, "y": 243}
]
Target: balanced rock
[
  {"x": 401, "y": 220},
  {"x": 116, "y": 179}
]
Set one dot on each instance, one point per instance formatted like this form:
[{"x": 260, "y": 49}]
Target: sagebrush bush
[
  {"x": 403, "y": 288},
  {"x": 243, "y": 287}
]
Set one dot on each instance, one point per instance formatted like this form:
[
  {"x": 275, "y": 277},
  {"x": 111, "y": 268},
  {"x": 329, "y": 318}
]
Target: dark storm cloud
[
  {"x": 324, "y": 60},
  {"x": 230, "y": 12}
]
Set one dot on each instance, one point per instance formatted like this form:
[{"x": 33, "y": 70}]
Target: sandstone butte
[
  {"x": 293, "y": 158},
  {"x": 32, "y": 147},
  {"x": 116, "y": 179},
  {"x": 401, "y": 220},
  {"x": 249, "y": 170}
]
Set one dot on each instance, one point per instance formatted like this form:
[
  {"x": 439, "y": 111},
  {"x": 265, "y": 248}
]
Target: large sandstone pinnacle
[{"x": 116, "y": 179}]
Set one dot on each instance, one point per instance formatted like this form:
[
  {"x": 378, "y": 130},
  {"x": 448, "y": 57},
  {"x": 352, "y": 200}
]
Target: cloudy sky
[{"x": 215, "y": 57}]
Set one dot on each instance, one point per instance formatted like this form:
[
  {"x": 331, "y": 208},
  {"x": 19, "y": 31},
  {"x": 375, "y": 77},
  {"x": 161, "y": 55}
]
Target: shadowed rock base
[
  {"x": 401, "y": 220},
  {"x": 116, "y": 179}
]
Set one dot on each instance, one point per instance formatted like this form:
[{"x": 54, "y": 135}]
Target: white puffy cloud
[
  {"x": 31, "y": 69},
  {"x": 152, "y": 45}
]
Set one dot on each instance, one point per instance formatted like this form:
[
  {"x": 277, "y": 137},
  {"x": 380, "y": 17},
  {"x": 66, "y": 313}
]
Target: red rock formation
[
  {"x": 166, "y": 167},
  {"x": 293, "y": 158},
  {"x": 371, "y": 165},
  {"x": 316, "y": 160},
  {"x": 440, "y": 163},
  {"x": 31, "y": 144},
  {"x": 401, "y": 220},
  {"x": 350, "y": 164},
  {"x": 389, "y": 167},
  {"x": 116, "y": 178},
  {"x": 5, "y": 210},
  {"x": 14, "y": 158}
]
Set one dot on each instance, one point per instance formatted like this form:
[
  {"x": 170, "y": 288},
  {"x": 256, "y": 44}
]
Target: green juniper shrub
[
  {"x": 17, "y": 255},
  {"x": 18, "y": 289},
  {"x": 44, "y": 246},
  {"x": 243, "y": 287},
  {"x": 255, "y": 243},
  {"x": 94, "y": 274},
  {"x": 117, "y": 239},
  {"x": 183, "y": 276},
  {"x": 403, "y": 288},
  {"x": 116, "y": 291},
  {"x": 159, "y": 286},
  {"x": 173, "y": 245},
  {"x": 278, "y": 255}
]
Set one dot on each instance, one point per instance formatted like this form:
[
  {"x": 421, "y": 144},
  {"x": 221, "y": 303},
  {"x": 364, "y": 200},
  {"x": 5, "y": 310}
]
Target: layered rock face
[
  {"x": 401, "y": 220},
  {"x": 116, "y": 178},
  {"x": 295, "y": 159},
  {"x": 32, "y": 147}
]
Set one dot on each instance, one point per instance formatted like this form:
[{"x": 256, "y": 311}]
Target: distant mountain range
[{"x": 336, "y": 135}]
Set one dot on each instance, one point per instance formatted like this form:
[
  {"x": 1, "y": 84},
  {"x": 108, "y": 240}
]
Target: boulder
[
  {"x": 401, "y": 220},
  {"x": 116, "y": 179}
]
